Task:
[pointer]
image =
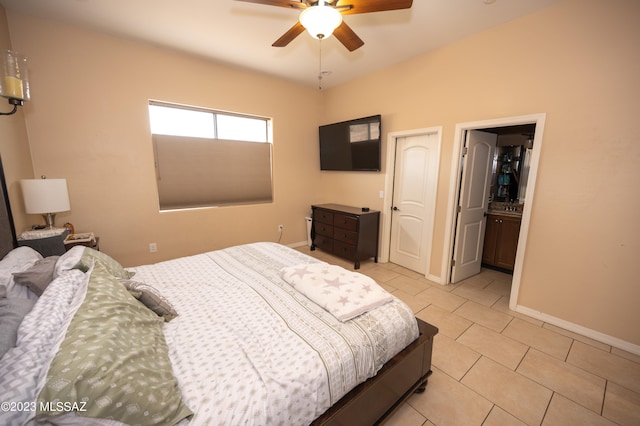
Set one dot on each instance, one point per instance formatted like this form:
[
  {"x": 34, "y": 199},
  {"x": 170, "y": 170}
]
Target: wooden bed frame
[
  {"x": 375, "y": 400},
  {"x": 367, "y": 404},
  {"x": 7, "y": 229}
]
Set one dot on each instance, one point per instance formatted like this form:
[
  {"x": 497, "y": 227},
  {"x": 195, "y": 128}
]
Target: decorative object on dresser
[
  {"x": 349, "y": 232},
  {"x": 46, "y": 197}
]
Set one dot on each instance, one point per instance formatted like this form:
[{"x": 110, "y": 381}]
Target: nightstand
[{"x": 47, "y": 242}]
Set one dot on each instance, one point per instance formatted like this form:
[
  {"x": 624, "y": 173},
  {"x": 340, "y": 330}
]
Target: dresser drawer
[
  {"x": 323, "y": 242},
  {"x": 343, "y": 249},
  {"x": 349, "y": 237},
  {"x": 323, "y": 216},
  {"x": 324, "y": 229},
  {"x": 345, "y": 222}
]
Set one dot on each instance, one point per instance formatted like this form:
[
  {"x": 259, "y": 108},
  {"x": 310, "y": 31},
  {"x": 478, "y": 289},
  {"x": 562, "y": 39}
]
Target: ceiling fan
[{"x": 321, "y": 18}]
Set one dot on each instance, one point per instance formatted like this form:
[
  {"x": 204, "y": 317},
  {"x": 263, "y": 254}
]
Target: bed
[{"x": 225, "y": 337}]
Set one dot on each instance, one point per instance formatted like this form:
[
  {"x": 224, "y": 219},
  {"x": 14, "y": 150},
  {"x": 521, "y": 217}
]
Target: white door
[
  {"x": 477, "y": 166},
  {"x": 414, "y": 200}
]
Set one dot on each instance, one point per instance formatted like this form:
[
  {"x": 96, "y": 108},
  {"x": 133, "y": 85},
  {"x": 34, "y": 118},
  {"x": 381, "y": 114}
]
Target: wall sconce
[
  {"x": 14, "y": 79},
  {"x": 46, "y": 197}
]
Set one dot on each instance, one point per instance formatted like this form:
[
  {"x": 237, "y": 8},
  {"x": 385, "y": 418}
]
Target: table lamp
[{"x": 46, "y": 197}]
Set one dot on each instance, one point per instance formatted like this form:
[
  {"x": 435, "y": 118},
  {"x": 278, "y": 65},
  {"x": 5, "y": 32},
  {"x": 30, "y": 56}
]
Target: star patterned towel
[{"x": 344, "y": 294}]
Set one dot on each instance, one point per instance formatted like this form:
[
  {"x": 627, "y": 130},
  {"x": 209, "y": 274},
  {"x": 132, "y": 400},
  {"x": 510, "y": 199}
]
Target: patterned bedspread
[{"x": 247, "y": 348}]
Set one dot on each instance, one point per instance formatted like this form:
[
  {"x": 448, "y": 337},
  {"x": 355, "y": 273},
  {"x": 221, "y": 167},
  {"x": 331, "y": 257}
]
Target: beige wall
[
  {"x": 579, "y": 63},
  {"x": 14, "y": 145},
  {"x": 88, "y": 123}
]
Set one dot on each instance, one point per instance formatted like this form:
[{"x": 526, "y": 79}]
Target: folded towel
[{"x": 344, "y": 294}]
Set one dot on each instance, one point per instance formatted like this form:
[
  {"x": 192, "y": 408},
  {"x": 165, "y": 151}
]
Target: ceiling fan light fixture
[{"x": 320, "y": 21}]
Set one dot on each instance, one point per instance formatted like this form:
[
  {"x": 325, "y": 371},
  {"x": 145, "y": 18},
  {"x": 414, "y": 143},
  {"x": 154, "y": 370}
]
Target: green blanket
[{"x": 113, "y": 362}]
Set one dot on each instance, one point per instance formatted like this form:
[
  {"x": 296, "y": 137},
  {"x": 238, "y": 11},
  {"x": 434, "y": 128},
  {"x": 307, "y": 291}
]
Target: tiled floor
[{"x": 493, "y": 366}]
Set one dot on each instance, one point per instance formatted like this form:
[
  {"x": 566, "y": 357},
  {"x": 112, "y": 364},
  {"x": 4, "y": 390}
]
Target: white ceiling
[{"x": 241, "y": 33}]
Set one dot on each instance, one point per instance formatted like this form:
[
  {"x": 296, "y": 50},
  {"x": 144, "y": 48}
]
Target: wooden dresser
[{"x": 345, "y": 231}]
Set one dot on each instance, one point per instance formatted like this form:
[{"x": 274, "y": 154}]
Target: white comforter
[
  {"x": 249, "y": 349},
  {"x": 246, "y": 347}
]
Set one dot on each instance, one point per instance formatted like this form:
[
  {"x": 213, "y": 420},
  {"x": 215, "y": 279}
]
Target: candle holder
[{"x": 14, "y": 79}]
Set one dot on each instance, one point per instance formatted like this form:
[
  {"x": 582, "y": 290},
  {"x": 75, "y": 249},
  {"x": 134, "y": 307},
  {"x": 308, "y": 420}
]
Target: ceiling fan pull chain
[{"x": 320, "y": 67}]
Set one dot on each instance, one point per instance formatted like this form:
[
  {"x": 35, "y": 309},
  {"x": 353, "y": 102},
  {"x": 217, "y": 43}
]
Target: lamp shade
[
  {"x": 320, "y": 21},
  {"x": 42, "y": 196},
  {"x": 14, "y": 78}
]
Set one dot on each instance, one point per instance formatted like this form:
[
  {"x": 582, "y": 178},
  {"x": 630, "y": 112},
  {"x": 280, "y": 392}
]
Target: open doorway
[{"x": 460, "y": 186}]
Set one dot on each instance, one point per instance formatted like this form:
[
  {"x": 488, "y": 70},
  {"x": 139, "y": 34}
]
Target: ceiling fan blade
[
  {"x": 288, "y": 37},
  {"x": 348, "y": 37},
  {"x": 368, "y": 6},
  {"x": 280, "y": 3}
]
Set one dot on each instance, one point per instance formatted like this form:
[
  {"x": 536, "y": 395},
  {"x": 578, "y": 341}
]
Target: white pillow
[
  {"x": 68, "y": 260},
  {"x": 18, "y": 260}
]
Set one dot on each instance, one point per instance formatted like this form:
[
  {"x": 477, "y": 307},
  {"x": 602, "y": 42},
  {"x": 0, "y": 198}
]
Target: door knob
[{"x": 395, "y": 208}]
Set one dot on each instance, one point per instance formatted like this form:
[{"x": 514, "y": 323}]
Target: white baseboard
[
  {"x": 435, "y": 279},
  {"x": 584, "y": 331},
  {"x": 298, "y": 244}
]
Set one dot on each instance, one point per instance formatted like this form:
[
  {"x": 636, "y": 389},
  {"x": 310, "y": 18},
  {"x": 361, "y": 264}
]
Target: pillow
[
  {"x": 17, "y": 260},
  {"x": 113, "y": 363},
  {"x": 111, "y": 265},
  {"x": 18, "y": 257},
  {"x": 69, "y": 260},
  {"x": 151, "y": 298},
  {"x": 38, "y": 277},
  {"x": 12, "y": 312}
]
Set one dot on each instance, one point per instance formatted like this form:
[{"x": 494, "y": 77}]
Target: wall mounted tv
[{"x": 352, "y": 145}]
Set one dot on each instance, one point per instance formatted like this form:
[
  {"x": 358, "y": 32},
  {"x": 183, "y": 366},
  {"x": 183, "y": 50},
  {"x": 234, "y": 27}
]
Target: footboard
[{"x": 374, "y": 400}]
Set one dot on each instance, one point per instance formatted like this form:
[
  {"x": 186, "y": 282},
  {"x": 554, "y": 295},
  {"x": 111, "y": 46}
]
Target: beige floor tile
[
  {"x": 572, "y": 382},
  {"x": 483, "y": 315},
  {"x": 503, "y": 288},
  {"x": 381, "y": 275},
  {"x": 502, "y": 305},
  {"x": 447, "y": 402},
  {"x": 495, "y": 275},
  {"x": 408, "y": 285},
  {"x": 499, "y": 417},
  {"x": 451, "y": 357},
  {"x": 407, "y": 272},
  {"x": 445, "y": 300},
  {"x": 406, "y": 415},
  {"x": 416, "y": 303},
  {"x": 621, "y": 405},
  {"x": 493, "y": 345},
  {"x": 577, "y": 337},
  {"x": 540, "y": 338},
  {"x": 514, "y": 393},
  {"x": 625, "y": 354},
  {"x": 449, "y": 324},
  {"x": 477, "y": 294},
  {"x": 563, "y": 412},
  {"x": 604, "y": 364},
  {"x": 479, "y": 281}
]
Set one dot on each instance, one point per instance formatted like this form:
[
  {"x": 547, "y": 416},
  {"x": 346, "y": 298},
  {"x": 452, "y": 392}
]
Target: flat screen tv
[{"x": 352, "y": 145}]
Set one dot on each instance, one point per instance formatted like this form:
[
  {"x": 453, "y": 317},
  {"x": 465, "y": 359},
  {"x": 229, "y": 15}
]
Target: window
[{"x": 208, "y": 158}]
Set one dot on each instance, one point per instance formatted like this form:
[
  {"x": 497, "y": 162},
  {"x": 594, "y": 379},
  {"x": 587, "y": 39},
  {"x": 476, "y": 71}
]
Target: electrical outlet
[
  {"x": 280, "y": 228},
  {"x": 153, "y": 247}
]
